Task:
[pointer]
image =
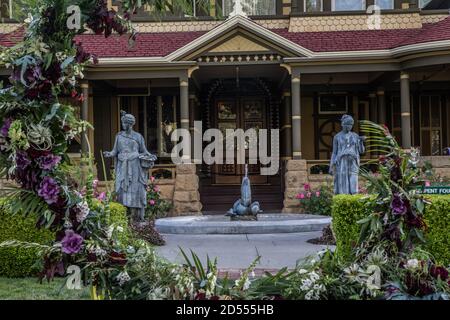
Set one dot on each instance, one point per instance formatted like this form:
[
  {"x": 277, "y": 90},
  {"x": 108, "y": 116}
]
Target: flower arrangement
[
  {"x": 316, "y": 201},
  {"x": 36, "y": 128}
]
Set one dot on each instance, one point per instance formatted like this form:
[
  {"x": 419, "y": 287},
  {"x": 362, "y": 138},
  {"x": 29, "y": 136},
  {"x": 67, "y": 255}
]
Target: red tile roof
[
  {"x": 146, "y": 44},
  {"x": 162, "y": 44},
  {"x": 348, "y": 40},
  {"x": 12, "y": 38}
]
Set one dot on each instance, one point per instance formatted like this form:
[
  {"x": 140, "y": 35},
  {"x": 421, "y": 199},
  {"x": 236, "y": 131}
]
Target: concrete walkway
[{"x": 237, "y": 251}]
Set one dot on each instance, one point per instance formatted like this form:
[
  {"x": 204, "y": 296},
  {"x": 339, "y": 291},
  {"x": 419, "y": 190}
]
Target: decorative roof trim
[{"x": 230, "y": 24}]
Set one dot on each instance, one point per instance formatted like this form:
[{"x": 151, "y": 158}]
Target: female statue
[
  {"x": 132, "y": 161},
  {"x": 344, "y": 164}
]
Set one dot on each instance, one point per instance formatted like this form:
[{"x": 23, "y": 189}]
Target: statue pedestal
[{"x": 244, "y": 218}]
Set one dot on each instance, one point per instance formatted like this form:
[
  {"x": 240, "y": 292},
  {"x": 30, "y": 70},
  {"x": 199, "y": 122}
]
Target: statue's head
[
  {"x": 347, "y": 123},
  {"x": 128, "y": 120}
]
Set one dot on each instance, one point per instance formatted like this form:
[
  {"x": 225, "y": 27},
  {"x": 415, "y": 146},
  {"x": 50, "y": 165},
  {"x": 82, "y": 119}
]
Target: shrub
[
  {"x": 118, "y": 217},
  {"x": 316, "y": 201},
  {"x": 437, "y": 236},
  {"x": 19, "y": 262},
  {"x": 156, "y": 207},
  {"x": 346, "y": 210}
]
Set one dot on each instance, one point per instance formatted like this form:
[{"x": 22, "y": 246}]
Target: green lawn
[{"x": 31, "y": 289}]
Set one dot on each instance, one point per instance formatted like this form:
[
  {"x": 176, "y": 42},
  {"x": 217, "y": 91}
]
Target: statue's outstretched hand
[
  {"x": 362, "y": 138},
  {"x": 107, "y": 154}
]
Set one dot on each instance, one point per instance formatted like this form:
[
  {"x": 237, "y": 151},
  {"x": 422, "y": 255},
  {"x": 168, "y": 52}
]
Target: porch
[{"x": 306, "y": 108}]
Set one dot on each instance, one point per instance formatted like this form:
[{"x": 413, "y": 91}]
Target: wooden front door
[{"x": 239, "y": 113}]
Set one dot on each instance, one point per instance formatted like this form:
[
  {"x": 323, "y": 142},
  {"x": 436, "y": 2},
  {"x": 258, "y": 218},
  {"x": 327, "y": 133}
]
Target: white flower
[
  {"x": 246, "y": 285},
  {"x": 123, "y": 278},
  {"x": 83, "y": 211},
  {"x": 309, "y": 295},
  {"x": 302, "y": 271},
  {"x": 119, "y": 228},
  {"x": 412, "y": 264}
]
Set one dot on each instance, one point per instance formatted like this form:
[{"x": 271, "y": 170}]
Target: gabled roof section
[{"x": 239, "y": 28}]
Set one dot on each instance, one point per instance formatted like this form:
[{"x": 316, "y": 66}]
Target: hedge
[
  {"x": 437, "y": 218},
  {"x": 19, "y": 262},
  {"x": 348, "y": 209},
  {"x": 15, "y": 262}
]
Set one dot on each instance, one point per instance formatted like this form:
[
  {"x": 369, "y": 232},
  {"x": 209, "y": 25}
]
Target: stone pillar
[
  {"x": 295, "y": 177},
  {"x": 85, "y": 116},
  {"x": 296, "y": 116},
  {"x": 186, "y": 197},
  {"x": 286, "y": 127},
  {"x": 405, "y": 110},
  {"x": 373, "y": 110},
  {"x": 184, "y": 111},
  {"x": 381, "y": 106}
]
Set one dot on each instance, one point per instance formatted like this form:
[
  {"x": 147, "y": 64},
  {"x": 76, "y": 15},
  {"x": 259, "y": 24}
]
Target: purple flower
[
  {"x": 398, "y": 206},
  {"x": 72, "y": 242},
  {"x": 22, "y": 160},
  {"x": 5, "y": 128},
  {"x": 49, "y": 190},
  {"x": 48, "y": 162}
]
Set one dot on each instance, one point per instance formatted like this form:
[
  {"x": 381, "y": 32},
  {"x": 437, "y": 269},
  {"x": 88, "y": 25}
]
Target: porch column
[
  {"x": 192, "y": 118},
  {"x": 85, "y": 116},
  {"x": 296, "y": 116},
  {"x": 373, "y": 113},
  {"x": 405, "y": 110},
  {"x": 184, "y": 110},
  {"x": 381, "y": 106},
  {"x": 286, "y": 127}
]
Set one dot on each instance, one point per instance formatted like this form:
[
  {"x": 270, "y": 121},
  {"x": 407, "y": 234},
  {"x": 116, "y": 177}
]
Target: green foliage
[
  {"x": 118, "y": 217},
  {"x": 156, "y": 207},
  {"x": 316, "y": 201},
  {"x": 19, "y": 262},
  {"x": 346, "y": 211},
  {"x": 437, "y": 235}
]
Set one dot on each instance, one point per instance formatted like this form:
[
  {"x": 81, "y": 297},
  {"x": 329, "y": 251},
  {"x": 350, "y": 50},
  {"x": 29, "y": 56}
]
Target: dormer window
[
  {"x": 385, "y": 4},
  {"x": 348, "y": 5},
  {"x": 423, "y": 3},
  {"x": 313, "y": 5},
  {"x": 251, "y": 7}
]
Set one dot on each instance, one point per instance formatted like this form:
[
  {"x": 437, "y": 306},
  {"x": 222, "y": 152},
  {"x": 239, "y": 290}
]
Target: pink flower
[
  {"x": 427, "y": 183},
  {"x": 101, "y": 196},
  {"x": 306, "y": 186},
  {"x": 152, "y": 202},
  {"x": 317, "y": 193},
  {"x": 152, "y": 179},
  {"x": 156, "y": 188},
  {"x": 300, "y": 196},
  {"x": 308, "y": 194}
]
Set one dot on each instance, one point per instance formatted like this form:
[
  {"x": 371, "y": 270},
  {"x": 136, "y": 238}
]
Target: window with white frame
[
  {"x": 348, "y": 5},
  {"x": 251, "y": 7},
  {"x": 385, "y": 4},
  {"x": 312, "y": 5}
]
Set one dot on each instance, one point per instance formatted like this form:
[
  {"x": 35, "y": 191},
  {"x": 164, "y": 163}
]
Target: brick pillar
[
  {"x": 295, "y": 177},
  {"x": 186, "y": 197}
]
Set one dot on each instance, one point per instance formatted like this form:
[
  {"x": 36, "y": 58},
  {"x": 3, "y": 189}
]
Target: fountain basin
[{"x": 266, "y": 223}]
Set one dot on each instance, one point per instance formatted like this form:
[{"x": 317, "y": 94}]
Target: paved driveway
[{"x": 238, "y": 251}]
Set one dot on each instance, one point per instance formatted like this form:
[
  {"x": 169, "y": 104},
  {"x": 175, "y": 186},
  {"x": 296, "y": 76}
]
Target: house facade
[{"x": 292, "y": 65}]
